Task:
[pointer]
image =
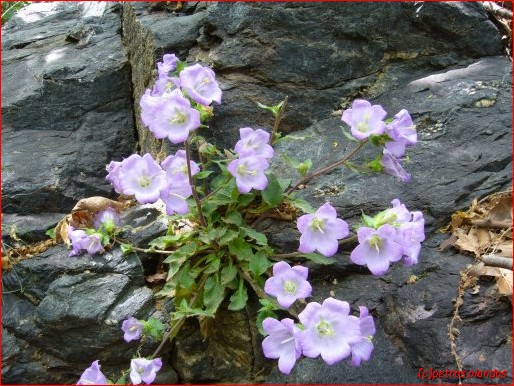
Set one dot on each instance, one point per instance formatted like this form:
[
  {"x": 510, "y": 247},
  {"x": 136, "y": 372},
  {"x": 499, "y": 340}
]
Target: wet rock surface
[{"x": 65, "y": 117}]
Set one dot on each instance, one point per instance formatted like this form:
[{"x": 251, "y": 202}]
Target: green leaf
[
  {"x": 272, "y": 195},
  {"x": 368, "y": 220},
  {"x": 209, "y": 235},
  {"x": 304, "y": 167},
  {"x": 379, "y": 140},
  {"x": 318, "y": 258},
  {"x": 273, "y": 109},
  {"x": 169, "y": 290},
  {"x": 154, "y": 328},
  {"x": 228, "y": 273},
  {"x": 239, "y": 298},
  {"x": 375, "y": 165},
  {"x": 301, "y": 204},
  {"x": 291, "y": 161},
  {"x": 126, "y": 248},
  {"x": 260, "y": 238},
  {"x": 227, "y": 237},
  {"x": 203, "y": 174},
  {"x": 174, "y": 266},
  {"x": 246, "y": 199},
  {"x": 240, "y": 249},
  {"x": 187, "y": 275},
  {"x": 213, "y": 293},
  {"x": 122, "y": 380},
  {"x": 233, "y": 217},
  {"x": 164, "y": 242},
  {"x": 51, "y": 233},
  {"x": 259, "y": 263},
  {"x": 213, "y": 263}
]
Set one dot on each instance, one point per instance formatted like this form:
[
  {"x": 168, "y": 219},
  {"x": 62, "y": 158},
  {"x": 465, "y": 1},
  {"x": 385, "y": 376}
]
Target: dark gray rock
[
  {"x": 29, "y": 228},
  {"x": 66, "y": 105}
]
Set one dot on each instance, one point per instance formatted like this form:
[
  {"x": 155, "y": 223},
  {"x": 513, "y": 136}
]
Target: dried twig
[{"x": 497, "y": 261}]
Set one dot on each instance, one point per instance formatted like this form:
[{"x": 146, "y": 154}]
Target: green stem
[
  {"x": 179, "y": 323},
  {"x": 328, "y": 168},
  {"x": 144, "y": 250},
  {"x": 191, "y": 182},
  {"x": 278, "y": 119}
]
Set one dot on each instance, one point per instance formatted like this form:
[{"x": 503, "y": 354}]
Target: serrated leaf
[
  {"x": 260, "y": 238},
  {"x": 154, "y": 328},
  {"x": 239, "y": 298},
  {"x": 169, "y": 290},
  {"x": 233, "y": 217},
  {"x": 164, "y": 242},
  {"x": 126, "y": 248},
  {"x": 318, "y": 258},
  {"x": 213, "y": 293},
  {"x": 301, "y": 204},
  {"x": 272, "y": 195},
  {"x": 203, "y": 174},
  {"x": 213, "y": 264},
  {"x": 259, "y": 263},
  {"x": 228, "y": 273},
  {"x": 227, "y": 237},
  {"x": 240, "y": 249},
  {"x": 184, "y": 251},
  {"x": 246, "y": 199}
]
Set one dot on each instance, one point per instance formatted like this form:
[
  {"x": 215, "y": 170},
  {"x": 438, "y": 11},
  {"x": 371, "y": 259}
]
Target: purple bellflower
[
  {"x": 281, "y": 343},
  {"x": 409, "y": 236},
  {"x": 144, "y": 370},
  {"x": 330, "y": 330},
  {"x": 254, "y": 142},
  {"x": 113, "y": 171},
  {"x": 321, "y": 230},
  {"x": 361, "y": 351},
  {"x": 176, "y": 167},
  {"x": 168, "y": 64},
  {"x": 288, "y": 284},
  {"x": 402, "y": 129},
  {"x": 249, "y": 173},
  {"x": 364, "y": 119},
  {"x": 200, "y": 84},
  {"x": 142, "y": 177},
  {"x": 92, "y": 376},
  {"x": 175, "y": 196},
  {"x": 80, "y": 240},
  {"x": 108, "y": 219},
  {"x": 393, "y": 166},
  {"x": 377, "y": 248},
  {"x": 174, "y": 118},
  {"x": 132, "y": 329}
]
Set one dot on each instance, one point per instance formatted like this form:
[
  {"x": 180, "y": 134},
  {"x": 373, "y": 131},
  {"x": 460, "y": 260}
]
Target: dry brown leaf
[
  {"x": 481, "y": 270},
  {"x": 449, "y": 242},
  {"x": 156, "y": 277},
  {"x": 504, "y": 249},
  {"x": 500, "y": 205},
  {"x": 206, "y": 325},
  {"x": 467, "y": 242},
  {"x": 504, "y": 282}
]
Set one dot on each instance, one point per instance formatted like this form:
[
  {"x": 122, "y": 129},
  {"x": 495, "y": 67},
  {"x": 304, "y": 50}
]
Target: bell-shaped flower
[
  {"x": 113, "y": 171},
  {"x": 168, "y": 64},
  {"x": 144, "y": 370},
  {"x": 107, "y": 219},
  {"x": 249, "y": 173},
  {"x": 288, "y": 284},
  {"x": 361, "y": 351},
  {"x": 281, "y": 343},
  {"x": 92, "y": 375},
  {"x": 321, "y": 230},
  {"x": 330, "y": 330},
  {"x": 175, "y": 167},
  {"x": 93, "y": 244},
  {"x": 402, "y": 129},
  {"x": 409, "y": 236},
  {"x": 142, "y": 177},
  {"x": 254, "y": 142},
  {"x": 77, "y": 238},
  {"x": 174, "y": 118},
  {"x": 175, "y": 196},
  {"x": 200, "y": 84},
  {"x": 377, "y": 248},
  {"x": 132, "y": 329},
  {"x": 393, "y": 166},
  {"x": 364, "y": 119}
]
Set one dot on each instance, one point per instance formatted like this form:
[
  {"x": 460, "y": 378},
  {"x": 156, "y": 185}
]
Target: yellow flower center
[
  {"x": 325, "y": 328},
  {"x": 318, "y": 225},
  {"x": 290, "y": 287},
  {"x": 144, "y": 181}
]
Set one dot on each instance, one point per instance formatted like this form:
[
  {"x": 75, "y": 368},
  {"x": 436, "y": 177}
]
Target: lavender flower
[
  {"x": 281, "y": 343},
  {"x": 254, "y": 142},
  {"x": 92, "y": 376},
  {"x": 77, "y": 237},
  {"x": 113, "y": 171},
  {"x": 175, "y": 195},
  {"x": 108, "y": 220},
  {"x": 168, "y": 64},
  {"x": 176, "y": 167},
  {"x": 164, "y": 86},
  {"x": 409, "y": 236},
  {"x": 200, "y": 84},
  {"x": 142, "y": 177},
  {"x": 172, "y": 117},
  {"x": 288, "y": 284},
  {"x": 377, "y": 248},
  {"x": 364, "y": 119},
  {"x": 320, "y": 231},
  {"x": 93, "y": 244},
  {"x": 249, "y": 173},
  {"x": 329, "y": 330},
  {"x": 132, "y": 328},
  {"x": 144, "y": 370},
  {"x": 402, "y": 129},
  {"x": 361, "y": 351},
  {"x": 393, "y": 166}
]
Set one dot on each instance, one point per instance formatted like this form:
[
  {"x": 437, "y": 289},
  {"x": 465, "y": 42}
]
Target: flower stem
[
  {"x": 278, "y": 119},
  {"x": 328, "y": 168},
  {"x": 179, "y": 323},
  {"x": 193, "y": 188}
]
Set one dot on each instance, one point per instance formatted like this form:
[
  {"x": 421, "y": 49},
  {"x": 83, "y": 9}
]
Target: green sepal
[{"x": 126, "y": 248}]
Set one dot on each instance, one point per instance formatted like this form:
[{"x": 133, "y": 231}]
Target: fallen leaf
[
  {"x": 156, "y": 277},
  {"x": 504, "y": 282}
]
